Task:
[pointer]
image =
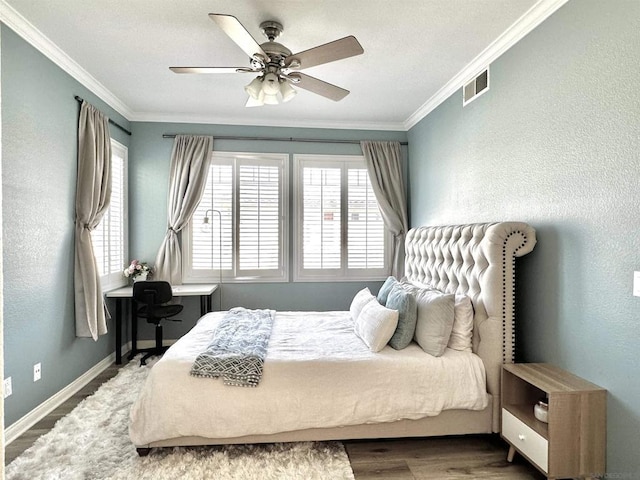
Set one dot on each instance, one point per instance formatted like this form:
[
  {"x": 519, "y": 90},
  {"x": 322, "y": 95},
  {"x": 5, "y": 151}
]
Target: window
[
  {"x": 245, "y": 207},
  {"x": 340, "y": 234},
  {"x": 110, "y": 236}
]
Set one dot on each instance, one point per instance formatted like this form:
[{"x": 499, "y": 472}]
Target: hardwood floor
[{"x": 457, "y": 457}]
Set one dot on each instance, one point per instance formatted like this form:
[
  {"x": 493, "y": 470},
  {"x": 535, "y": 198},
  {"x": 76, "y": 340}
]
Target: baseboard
[{"x": 45, "y": 408}]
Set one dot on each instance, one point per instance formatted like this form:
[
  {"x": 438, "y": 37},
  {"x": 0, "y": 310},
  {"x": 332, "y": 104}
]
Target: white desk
[{"x": 202, "y": 290}]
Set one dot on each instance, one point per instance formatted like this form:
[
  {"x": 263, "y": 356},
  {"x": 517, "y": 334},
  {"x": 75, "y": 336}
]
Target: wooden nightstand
[{"x": 573, "y": 443}]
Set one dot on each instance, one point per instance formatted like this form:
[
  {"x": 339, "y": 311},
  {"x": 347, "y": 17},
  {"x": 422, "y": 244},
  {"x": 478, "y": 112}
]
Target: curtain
[
  {"x": 93, "y": 193},
  {"x": 383, "y": 160},
  {"x": 190, "y": 161}
]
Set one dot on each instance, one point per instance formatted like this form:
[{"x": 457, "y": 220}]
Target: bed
[{"x": 322, "y": 382}]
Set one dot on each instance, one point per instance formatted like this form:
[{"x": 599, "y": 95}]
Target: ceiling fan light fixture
[
  {"x": 270, "y": 84},
  {"x": 287, "y": 91},
  {"x": 254, "y": 88}
]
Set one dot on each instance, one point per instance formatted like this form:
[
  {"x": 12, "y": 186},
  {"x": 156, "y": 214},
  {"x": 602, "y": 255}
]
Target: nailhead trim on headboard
[{"x": 512, "y": 355}]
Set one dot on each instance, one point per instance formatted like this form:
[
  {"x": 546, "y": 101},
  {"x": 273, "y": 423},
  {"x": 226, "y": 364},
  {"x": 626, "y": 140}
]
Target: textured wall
[
  {"x": 39, "y": 142},
  {"x": 150, "y": 156},
  {"x": 555, "y": 143}
]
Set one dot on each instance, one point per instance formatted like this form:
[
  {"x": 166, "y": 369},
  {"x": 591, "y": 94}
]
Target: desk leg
[
  {"x": 203, "y": 305},
  {"x": 118, "y": 331},
  {"x": 134, "y": 329}
]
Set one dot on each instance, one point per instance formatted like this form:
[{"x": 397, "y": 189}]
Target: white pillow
[
  {"x": 462, "y": 324},
  {"x": 361, "y": 298},
  {"x": 435, "y": 321},
  {"x": 375, "y": 325}
]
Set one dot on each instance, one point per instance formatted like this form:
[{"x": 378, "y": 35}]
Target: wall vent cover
[{"x": 476, "y": 87}]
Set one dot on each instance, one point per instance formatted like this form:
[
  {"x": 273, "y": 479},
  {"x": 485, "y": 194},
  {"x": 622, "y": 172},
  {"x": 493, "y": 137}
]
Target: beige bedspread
[{"x": 317, "y": 373}]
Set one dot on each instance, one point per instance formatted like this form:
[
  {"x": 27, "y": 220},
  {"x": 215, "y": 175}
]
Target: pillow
[
  {"x": 405, "y": 303},
  {"x": 386, "y": 287},
  {"x": 462, "y": 324},
  {"x": 435, "y": 321},
  {"x": 375, "y": 325},
  {"x": 360, "y": 300}
]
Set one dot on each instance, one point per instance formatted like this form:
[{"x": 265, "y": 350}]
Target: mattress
[{"x": 317, "y": 374}]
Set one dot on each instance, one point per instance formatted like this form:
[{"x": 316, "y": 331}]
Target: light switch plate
[{"x": 636, "y": 284}]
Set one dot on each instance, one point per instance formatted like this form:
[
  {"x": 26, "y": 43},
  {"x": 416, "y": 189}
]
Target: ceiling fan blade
[
  {"x": 318, "y": 86},
  {"x": 236, "y": 31},
  {"x": 329, "y": 52},
  {"x": 211, "y": 70}
]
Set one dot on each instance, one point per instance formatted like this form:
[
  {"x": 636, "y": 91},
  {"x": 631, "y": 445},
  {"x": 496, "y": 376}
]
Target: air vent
[{"x": 475, "y": 87}]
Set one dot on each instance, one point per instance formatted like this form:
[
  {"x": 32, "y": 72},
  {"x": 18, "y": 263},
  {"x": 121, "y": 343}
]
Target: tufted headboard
[{"x": 477, "y": 260}]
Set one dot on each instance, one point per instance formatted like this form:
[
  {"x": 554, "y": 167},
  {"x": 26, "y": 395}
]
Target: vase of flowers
[{"x": 138, "y": 271}]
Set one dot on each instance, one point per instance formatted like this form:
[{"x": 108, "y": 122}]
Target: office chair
[{"x": 153, "y": 297}]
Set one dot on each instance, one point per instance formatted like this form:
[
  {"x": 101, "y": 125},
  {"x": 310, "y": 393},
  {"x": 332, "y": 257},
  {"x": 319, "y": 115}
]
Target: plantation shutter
[
  {"x": 365, "y": 227},
  {"x": 321, "y": 218},
  {"x": 109, "y": 236},
  {"x": 341, "y": 233},
  {"x": 259, "y": 216},
  {"x": 248, "y": 191},
  {"x": 208, "y": 246}
]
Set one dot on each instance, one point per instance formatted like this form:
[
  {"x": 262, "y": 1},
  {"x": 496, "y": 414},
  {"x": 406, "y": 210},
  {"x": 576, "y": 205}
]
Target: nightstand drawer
[{"x": 525, "y": 439}]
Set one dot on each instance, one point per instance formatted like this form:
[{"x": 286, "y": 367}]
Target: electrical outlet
[
  {"x": 7, "y": 387},
  {"x": 37, "y": 372}
]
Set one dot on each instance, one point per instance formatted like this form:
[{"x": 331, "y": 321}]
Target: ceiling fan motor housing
[{"x": 271, "y": 29}]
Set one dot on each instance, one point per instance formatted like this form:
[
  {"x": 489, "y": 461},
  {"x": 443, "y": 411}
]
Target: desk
[{"x": 203, "y": 290}]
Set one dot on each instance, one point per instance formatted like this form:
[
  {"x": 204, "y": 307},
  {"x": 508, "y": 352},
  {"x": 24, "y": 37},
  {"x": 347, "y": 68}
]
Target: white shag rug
[{"x": 92, "y": 442}]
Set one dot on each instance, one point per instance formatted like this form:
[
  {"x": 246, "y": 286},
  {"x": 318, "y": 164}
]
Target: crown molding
[
  {"x": 10, "y": 17},
  {"x": 537, "y": 14},
  {"x": 226, "y": 120}
]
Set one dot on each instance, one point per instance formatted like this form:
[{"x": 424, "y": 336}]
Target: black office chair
[{"x": 153, "y": 297}]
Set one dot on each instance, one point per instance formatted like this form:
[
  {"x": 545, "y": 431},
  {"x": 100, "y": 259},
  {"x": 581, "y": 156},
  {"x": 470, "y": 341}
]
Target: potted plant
[{"x": 138, "y": 271}]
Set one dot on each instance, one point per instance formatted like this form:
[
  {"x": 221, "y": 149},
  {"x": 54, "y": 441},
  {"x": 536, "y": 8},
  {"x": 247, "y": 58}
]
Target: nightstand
[{"x": 573, "y": 442}]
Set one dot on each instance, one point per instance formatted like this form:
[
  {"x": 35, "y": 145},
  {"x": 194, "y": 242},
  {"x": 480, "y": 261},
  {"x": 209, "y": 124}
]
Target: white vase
[{"x": 141, "y": 277}]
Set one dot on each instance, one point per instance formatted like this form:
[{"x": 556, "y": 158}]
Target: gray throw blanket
[{"x": 238, "y": 348}]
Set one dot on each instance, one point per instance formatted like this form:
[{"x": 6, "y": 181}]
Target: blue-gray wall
[
  {"x": 39, "y": 142},
  {"x": 149, "y": 177},
  {"x": 555, "y": 143}
]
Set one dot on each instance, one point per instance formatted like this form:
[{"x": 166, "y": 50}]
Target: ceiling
[{"x": 413, "y": 49}]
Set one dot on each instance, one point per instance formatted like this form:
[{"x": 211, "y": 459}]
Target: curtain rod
[
  {"x": 80, "y": 100},
  {"x": 277, "y": 139}
]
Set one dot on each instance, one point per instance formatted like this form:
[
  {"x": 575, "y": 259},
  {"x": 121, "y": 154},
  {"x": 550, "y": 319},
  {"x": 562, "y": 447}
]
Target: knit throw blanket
[{"x": 238, "y": 348}]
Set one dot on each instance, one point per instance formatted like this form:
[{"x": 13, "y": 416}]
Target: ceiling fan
[{"x": 276, "y": 66}]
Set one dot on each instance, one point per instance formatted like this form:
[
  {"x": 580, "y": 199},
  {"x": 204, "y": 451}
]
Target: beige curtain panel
[
  {"x": 384, "y": 165},
  {"x": 93, "y": 193},
  {"x": 190, "y": 160}
]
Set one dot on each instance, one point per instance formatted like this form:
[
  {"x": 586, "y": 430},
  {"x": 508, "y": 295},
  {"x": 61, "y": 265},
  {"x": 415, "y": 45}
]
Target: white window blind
[
  {"x": 248, "y": 235},
  {"x": 109, "y": 237},
  {"x": 341, "y": 234}
]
